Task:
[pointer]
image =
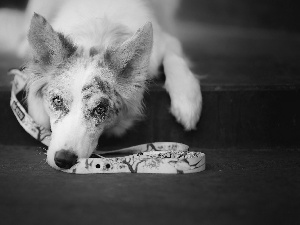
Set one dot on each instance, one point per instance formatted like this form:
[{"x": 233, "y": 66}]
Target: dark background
[{"x": 271, "y": 14}]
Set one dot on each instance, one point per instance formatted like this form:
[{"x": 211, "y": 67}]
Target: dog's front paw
[{"x": 187, "y": 109}]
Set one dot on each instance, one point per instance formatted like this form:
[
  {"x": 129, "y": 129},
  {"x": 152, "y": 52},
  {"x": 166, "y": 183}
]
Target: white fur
[
  {"x": 79, "y": 20},
  {"x": 182, "y": 85}
]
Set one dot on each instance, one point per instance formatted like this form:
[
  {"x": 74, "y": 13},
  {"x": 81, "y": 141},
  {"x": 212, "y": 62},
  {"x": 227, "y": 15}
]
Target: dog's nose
[{"x": 65, "y": 159}]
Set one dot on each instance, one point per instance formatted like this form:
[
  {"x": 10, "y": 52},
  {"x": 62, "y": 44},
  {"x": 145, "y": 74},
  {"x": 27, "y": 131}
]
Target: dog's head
[{"x": 78, "y": 95}]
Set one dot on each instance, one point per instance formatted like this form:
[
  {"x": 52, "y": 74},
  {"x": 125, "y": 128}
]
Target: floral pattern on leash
[{"x": 159, "y": 159}]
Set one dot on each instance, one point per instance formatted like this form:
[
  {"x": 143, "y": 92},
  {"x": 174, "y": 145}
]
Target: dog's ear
[
  {"x": 49, "y": 47},
  {"x": 130, "y": 61}
]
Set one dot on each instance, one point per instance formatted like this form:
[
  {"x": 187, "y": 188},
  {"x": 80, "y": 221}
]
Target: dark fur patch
[
  {"x": 87, "y": 87},
  {"x": 93, "y": 51},
  {"x": 137, "y": 86},
  {"x": 46, "y": 57},
  {"x": 99, "y": 113},
  {"x": 102, "y": 85},
  {"x": 100, "y": 64},
  {"x": 87, "y": 96},
  {"x": 108, "y": 60},
  {"x": 67, "y": 45},
  {"x": 98, "y": 85}
]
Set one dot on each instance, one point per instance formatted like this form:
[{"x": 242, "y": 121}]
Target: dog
[{"x": 89, "y": 63}]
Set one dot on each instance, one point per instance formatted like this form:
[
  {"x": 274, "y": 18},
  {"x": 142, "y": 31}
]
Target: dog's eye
[
  {"x": 101, "y": 110},
  {"x": 59, "y": 105},
  {"x": 57, "y": 101}
]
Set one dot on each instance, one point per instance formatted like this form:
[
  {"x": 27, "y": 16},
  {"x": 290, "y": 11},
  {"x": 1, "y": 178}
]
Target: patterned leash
[{"x": 158, "y": 157}]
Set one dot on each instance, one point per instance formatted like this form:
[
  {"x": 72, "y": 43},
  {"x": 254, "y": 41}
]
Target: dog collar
[{"x": 158, "y": 157}]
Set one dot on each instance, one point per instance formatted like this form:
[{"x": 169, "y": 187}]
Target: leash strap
[{"x": 158, "y": 157}]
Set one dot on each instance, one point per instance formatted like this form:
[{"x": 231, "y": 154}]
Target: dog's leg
[{"x": 182, "y": 85}]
